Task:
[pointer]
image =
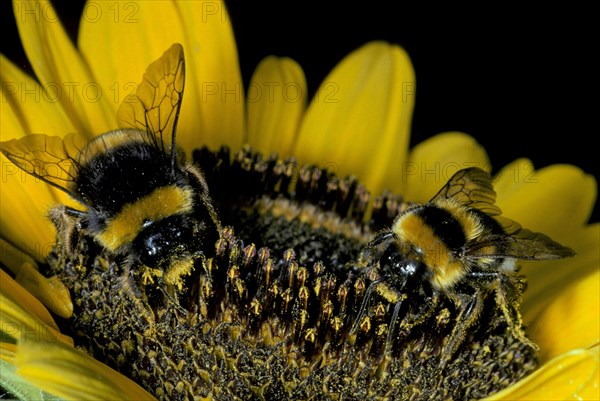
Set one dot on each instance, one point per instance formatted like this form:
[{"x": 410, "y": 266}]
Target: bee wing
[
  {"x": 524, "y": 244},
  {"x": 155, "y": 105},
  {"x": 509, "y": 226},
  {"x": 49, "y": 158},
  {"x": 471, "y": 187}
]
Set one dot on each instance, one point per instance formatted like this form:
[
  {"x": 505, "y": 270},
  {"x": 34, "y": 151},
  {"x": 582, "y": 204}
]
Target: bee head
[
  {"x": 394, "y": 262},
  {"x": 160, "y": 242}
]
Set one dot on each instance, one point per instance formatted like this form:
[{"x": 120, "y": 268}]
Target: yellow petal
[
  {"x": 60, "y": 68},
  {"x": 508, "y": 181},
  {"x": 27, "y": 107},
  {"x": 50, "y": 291},
  {"x": 25, "y": 201},
  {"x": 136, "y": 33},
  {"x": 276, "y": 100},
  {"x": 11, "y": 382},
  {"x": 545, "y": 278},
  {"x": 360, "y": 118},
  {"x": 30, "y": 107},
  {"x": 555, "y": 200},
  {"x": 571, "y": 320},
  {"x": 561, "y": 303},
  {"x": 19, "y": 295},
  {"x": 571, "y": 376},
  {"x": 73, "y": 375},
  {"x": 24, "y": 327},
  {"x": 133, "y": 35},
  {"x": 434, "y": 161},
  {"x": 7, "y": 352},
  {"x": 213, "y": 109}
]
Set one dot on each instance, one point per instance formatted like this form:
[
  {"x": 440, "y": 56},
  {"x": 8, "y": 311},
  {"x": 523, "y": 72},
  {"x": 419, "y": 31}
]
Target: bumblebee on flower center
[{"x": 217, "y": 270}]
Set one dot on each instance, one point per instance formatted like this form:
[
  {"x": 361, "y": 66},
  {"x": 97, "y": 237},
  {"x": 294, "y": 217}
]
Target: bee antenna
[
  {"x": 381, "y": 238},
  {"x": 366, "y": 253}
]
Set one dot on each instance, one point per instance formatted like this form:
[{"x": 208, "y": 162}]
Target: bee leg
[
  {"x": 133, "y": 291},
  {"x": 171, "y": 298},
  {"x": 508, "y": 290},
  {"x": 127, "y": 282},
  {"x": 397, "y": 309},
  {"x": 68, "y": 223},
  {"x": 508, "y": 298},
  {"x": 198, "y": 177},
  {"x": 470, "y": 310},
  {"x": 415, "y": 319},
  {"x": 364, "y": 305},
  {"x": 390, "y": 336}
]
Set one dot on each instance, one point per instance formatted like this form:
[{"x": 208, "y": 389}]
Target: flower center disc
[{"x": 283, "y": 307}]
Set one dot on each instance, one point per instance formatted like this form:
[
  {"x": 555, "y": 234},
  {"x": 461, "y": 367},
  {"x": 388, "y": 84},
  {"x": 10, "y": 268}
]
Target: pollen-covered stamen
[{"x": 268, "y": 310}]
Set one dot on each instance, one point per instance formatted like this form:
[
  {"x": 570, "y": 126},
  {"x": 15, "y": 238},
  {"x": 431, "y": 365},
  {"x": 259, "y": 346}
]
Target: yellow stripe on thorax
[
  {"x": 413, "y": 231},
  {"x": 126, "y": 225}
]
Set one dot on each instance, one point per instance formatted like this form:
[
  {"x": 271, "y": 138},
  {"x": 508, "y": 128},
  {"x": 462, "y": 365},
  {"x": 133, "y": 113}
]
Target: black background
[{"x": 518, "y": 80}]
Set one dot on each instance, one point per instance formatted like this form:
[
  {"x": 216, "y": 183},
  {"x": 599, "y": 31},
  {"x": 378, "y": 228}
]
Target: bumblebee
[
  {"x": 143, "y": 202},
  {"x": 456, "y": 247}
]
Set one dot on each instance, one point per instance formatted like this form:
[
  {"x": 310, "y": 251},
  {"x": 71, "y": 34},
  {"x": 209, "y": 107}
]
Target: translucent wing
[
  {"x": 509, "y": 226},
  {"x": 523, "y": 245},
  {"x": 155, "y": 105},
  {"x": 49, "y": 158},
  {"x": 471, "y": 187}
]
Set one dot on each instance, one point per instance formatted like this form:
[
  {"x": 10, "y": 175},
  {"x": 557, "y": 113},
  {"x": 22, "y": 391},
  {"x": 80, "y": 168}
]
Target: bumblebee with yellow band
[
  {"x": 142, "y": 200},
  {"x": 296, "y": 295},
  {"x": 458, "y": 245}
]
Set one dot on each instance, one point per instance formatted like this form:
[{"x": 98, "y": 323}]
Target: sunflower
[{"x": 79, "y": 89}]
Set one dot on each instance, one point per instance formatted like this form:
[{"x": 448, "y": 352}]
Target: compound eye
[
  {"x": 409, "y": 267},
  {"x": 154, "y": 248},
  {"x": 391, "y": 259},
  {"x": 395, "y": 262}
]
